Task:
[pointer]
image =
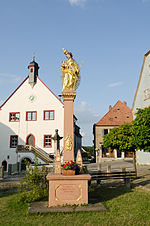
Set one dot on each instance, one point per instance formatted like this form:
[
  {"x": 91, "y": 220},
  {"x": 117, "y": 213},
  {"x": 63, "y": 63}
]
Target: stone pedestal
[
  {"x": 71, "y": 190},
  {"x": 68, "y": 97}
]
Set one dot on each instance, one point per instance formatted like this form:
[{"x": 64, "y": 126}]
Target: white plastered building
[
  {"x": 29, "y": 118},
  {"x": 142, "y": 100}
]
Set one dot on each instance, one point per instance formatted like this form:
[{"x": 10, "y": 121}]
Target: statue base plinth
[
  {"x": 71, "y": 190},
  {"x": 68, "y": 94}
]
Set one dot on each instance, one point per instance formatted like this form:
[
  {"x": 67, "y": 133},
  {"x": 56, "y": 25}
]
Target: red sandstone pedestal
[{"x": 68, "y": 189}]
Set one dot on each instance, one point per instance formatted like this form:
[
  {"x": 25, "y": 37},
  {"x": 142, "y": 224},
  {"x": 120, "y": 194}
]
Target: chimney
[{"x": 110, "y": 107}]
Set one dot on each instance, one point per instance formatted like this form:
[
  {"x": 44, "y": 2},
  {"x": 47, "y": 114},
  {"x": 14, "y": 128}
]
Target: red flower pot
[{"x": 68, "y": 172}]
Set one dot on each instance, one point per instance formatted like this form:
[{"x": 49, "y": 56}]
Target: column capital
[{"x": 69, "y": 94}]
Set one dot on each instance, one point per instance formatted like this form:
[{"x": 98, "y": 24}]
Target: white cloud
[
  {"x": 9, "y": 78},
  {"x": 86, "y": 118},
  {"x": 114, "y": 84},
  {"x": 85, "y": 113},
  {"x": 77, "y": 2}
]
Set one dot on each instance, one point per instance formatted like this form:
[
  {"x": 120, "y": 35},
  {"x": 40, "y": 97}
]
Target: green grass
[{"x": 125, "y": 207}]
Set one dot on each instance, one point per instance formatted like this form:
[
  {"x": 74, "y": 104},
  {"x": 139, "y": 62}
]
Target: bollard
[
  {"x": 108, "y": 168},
  {"x": 123, "y": 169},
  {"x": 99, "y": 167},
  {"x": 1, "y": 172}
]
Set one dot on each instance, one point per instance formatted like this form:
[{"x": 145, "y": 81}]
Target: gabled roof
[
  {"x": 22, "y": 84},
  {"x": 146, "y": 54},
  {"x": 117, "y": 115}
]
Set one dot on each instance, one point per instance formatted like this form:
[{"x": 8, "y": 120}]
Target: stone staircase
[{"x": 37, "y": 151}]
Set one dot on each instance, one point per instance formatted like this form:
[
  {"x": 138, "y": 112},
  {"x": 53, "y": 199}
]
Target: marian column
[
  {"x": 68, "y": 189},
  {"x": 70, "y": 79}
]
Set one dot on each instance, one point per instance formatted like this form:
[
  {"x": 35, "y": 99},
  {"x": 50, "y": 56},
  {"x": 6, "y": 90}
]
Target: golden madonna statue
[{"x": 70, "y": 72}]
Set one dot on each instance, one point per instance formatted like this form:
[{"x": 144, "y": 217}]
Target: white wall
[
  {"x": 19, "y": 102},
  {"x": 142, "y": 98},
  {"x": 143, "y": 158}
]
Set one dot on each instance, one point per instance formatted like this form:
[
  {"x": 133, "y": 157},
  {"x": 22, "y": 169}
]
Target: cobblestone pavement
[
  {"x": 143, "y": 174},
  {"x": 10, "y": 182}
]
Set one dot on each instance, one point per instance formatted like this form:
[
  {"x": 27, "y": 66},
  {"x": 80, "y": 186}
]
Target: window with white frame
[
  {"x": 14, "y": 116},
  {"x": 49, "y": 115},
  {"x": 31, "y": 116},
  {"x": 13, "y": 141},
  {"x": 47, "y": 141}
]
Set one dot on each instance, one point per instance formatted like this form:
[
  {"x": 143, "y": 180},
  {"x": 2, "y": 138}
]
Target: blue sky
[{"x": 111, "y": 35}]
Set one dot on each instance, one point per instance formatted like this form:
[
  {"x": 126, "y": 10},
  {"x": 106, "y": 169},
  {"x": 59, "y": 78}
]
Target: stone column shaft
[{"x": 68, "y": 97}]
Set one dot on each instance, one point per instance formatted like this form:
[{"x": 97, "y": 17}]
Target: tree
[
  {"x": 120, "y": 138},
  {"x": 141, "y": 129}
]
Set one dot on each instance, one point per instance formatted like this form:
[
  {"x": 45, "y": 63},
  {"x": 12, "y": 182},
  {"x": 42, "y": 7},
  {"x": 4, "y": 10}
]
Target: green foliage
[
  {"x": 90, "y": 149},
  {"x": 120, "y": 138},
  {"x": 129, "y": 137},
  {"x": 141, "y": 129},
  {"x": 34, "y": 185},
  {"x": 85, "y": 169},
  {"x": 86, "y": 155}
]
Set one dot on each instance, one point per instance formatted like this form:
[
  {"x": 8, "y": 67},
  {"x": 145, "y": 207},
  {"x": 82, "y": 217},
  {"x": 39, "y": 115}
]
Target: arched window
[
  {"x": 30, "y": 140},
  {"x": 4, "y": 164}
]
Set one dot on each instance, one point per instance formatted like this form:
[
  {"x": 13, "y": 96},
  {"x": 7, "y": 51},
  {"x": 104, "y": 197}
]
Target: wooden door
[{"x": 31, "y": 140}]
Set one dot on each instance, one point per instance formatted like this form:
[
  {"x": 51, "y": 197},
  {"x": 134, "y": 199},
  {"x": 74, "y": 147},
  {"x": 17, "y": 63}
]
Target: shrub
[{"x": 34, "y": 185}]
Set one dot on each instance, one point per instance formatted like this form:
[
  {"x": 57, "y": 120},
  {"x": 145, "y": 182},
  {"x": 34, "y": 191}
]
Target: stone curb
[{"x": 42, "y": 207}]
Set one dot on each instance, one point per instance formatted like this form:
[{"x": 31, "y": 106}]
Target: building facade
[
  {"x": 116, "y": 116},
  {"x": 28, "y": 120},
  {"x": 142, "y": 95},
  {"x": 142, "y": 100}
]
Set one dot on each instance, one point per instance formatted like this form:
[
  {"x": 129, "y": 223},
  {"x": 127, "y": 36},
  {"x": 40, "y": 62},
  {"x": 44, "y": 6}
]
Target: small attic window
[
  {"x": 127, "y": 116},
  {"x": 118, "y": 109},
  {"x": 115, "y": 116}
]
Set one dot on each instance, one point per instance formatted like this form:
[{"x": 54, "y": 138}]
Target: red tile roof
[{"x": 117, "y": 115}]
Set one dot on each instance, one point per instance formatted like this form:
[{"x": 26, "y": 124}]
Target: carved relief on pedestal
[
  {"x": 66, "y": 192},
  {"x": 68, "y": 143}
]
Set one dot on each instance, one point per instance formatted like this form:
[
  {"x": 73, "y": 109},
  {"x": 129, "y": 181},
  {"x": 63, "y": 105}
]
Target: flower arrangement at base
[{"x": 70, "y": 168}]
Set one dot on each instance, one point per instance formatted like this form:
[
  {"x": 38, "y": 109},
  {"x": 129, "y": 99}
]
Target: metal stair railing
[{"x": 38, "y": 151}]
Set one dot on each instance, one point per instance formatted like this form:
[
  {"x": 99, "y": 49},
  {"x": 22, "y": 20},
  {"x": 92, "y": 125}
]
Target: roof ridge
[
  {"x": 114, "y": 116},
  {"x": 108, "y": 111}
]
